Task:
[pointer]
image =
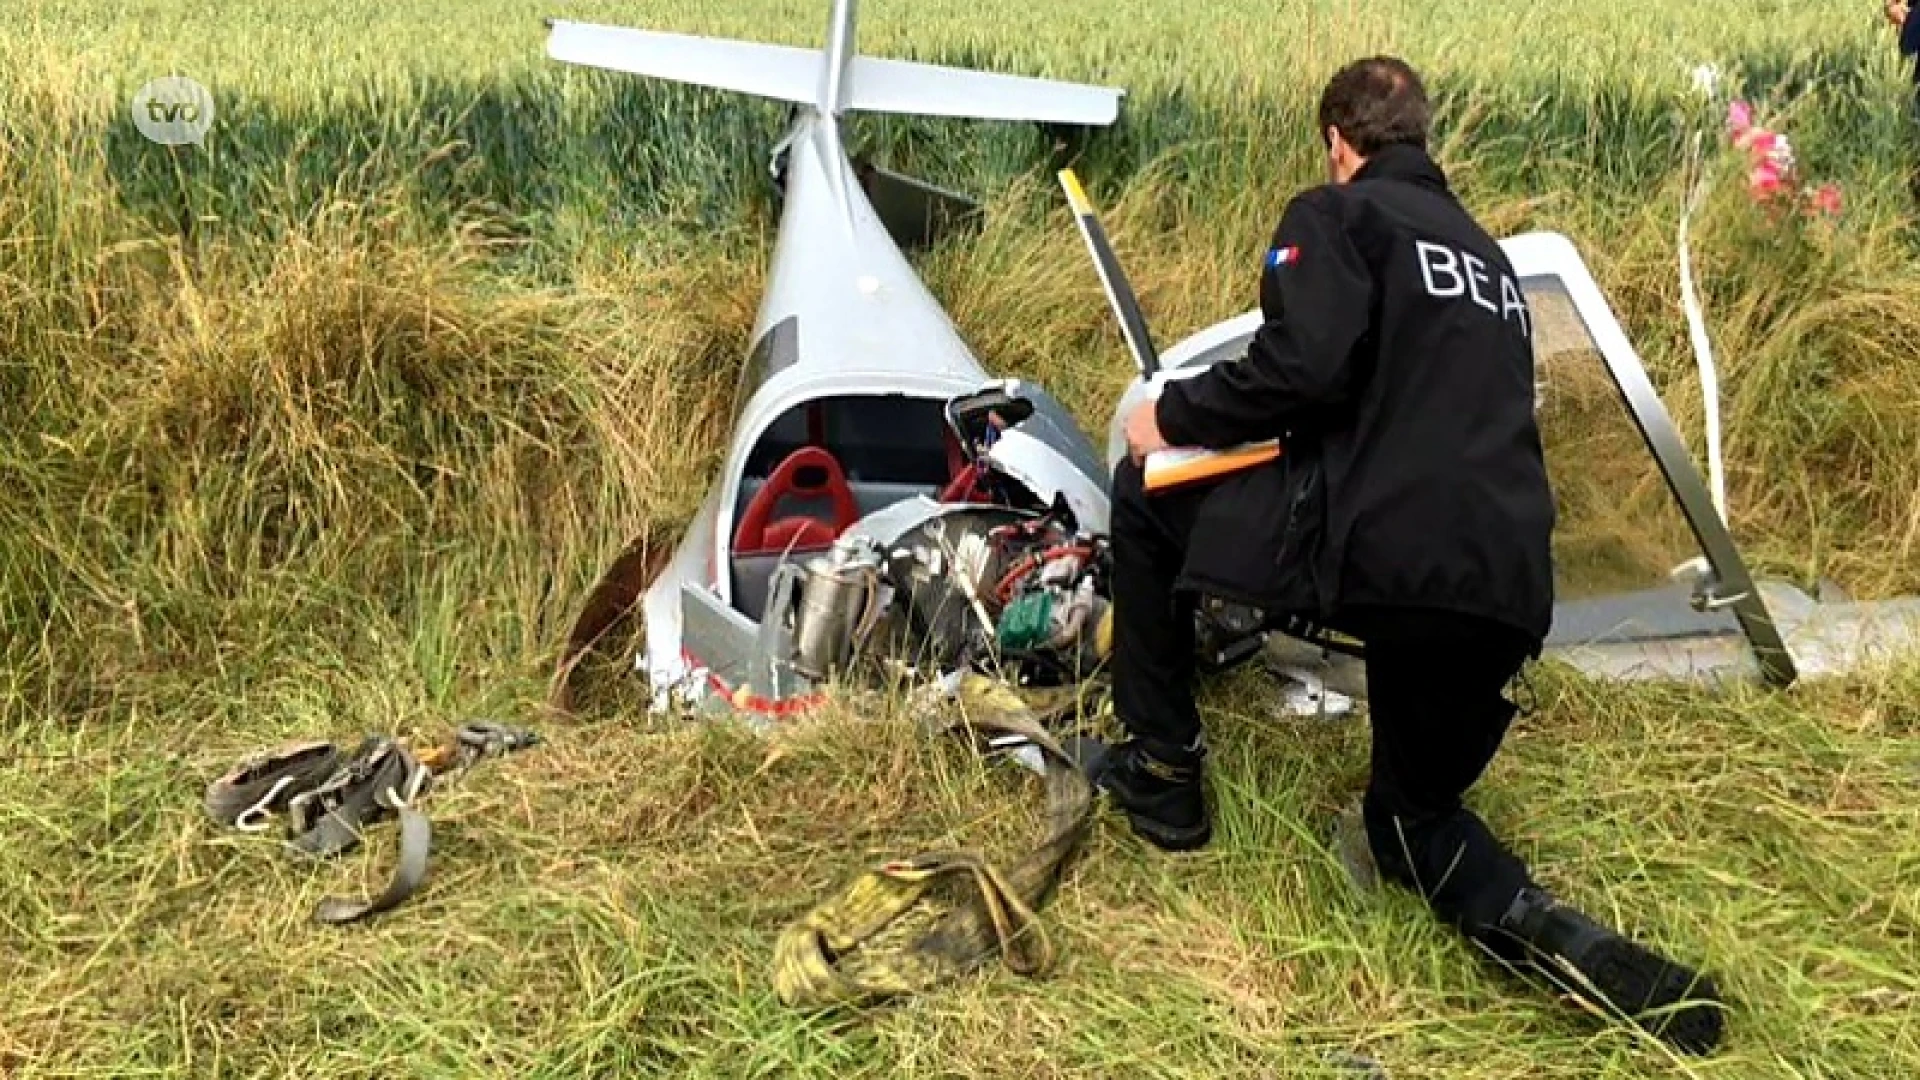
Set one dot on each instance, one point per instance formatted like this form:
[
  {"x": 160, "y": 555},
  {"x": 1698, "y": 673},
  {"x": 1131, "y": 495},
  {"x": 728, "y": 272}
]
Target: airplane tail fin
[{"x": 833, "y": 80}]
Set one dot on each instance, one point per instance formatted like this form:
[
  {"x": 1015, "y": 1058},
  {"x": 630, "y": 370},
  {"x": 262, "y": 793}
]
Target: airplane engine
[{"x": 951, "y": 587}]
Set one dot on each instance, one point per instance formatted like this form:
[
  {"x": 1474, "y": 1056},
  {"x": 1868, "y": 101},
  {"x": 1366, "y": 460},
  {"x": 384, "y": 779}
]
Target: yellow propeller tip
[{"x": 1076, "y": 195}]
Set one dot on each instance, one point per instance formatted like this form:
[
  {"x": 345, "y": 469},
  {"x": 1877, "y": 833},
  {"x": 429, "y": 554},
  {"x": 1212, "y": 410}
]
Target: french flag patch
[{"x": 1283, "y": 256}]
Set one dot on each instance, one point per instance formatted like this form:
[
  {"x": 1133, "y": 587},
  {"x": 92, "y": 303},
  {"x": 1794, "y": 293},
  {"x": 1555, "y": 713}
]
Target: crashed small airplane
[
  {"x": 881, "y": 486},
  {"x": 874, "y": 453}
]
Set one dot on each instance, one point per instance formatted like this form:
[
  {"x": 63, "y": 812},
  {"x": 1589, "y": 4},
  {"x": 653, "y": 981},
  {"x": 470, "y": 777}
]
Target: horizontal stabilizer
[
  {"x": 800, "y": 76},
  {"x": 906, "y": 87},
  {"x": 781, "y": 72}
]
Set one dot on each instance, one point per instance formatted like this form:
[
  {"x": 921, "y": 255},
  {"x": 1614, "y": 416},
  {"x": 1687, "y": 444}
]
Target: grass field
[{"x": 328, "y": 429}]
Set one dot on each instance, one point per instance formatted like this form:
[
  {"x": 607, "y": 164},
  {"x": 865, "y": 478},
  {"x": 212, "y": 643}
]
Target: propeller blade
[{"x": 1133, "y": 324}]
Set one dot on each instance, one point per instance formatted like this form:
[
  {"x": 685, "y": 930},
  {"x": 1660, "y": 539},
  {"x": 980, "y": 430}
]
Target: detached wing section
[{"x": 800, "y": 76}]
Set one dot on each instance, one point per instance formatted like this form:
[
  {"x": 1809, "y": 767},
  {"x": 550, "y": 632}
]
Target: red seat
[{"x": 760, "y": 534}]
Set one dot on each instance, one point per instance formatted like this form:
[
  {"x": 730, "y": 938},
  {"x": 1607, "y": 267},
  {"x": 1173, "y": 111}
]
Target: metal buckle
[
  {"x": 482, "y": 738},
  {"x": 416, "y": 782},
  {"x": 256, "y": 818},
  {"x": 300, "y": 815}
]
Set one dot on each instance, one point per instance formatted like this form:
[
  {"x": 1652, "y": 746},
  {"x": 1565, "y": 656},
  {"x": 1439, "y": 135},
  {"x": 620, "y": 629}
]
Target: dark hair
[{"x": 1376, "y": 102}]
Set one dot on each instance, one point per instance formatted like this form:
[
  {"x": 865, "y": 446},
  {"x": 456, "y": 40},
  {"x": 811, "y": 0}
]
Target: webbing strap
[
  {"x": 329, "y": 800},
  {"x": 416, "y": 836},
  {"x": 995, "y": 912},
  {"x": 264, "y": 784}
]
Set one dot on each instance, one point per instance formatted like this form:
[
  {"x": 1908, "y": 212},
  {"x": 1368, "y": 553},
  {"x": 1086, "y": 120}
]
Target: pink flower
[{"x": 1772, "y": 173}]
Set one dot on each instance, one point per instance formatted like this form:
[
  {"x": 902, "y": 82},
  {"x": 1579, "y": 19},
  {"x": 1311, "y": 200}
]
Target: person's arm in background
[{"x": 1897, "y": 13}]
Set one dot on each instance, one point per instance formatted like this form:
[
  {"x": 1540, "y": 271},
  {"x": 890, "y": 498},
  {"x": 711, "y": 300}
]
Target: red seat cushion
[{"x": 758, "y": 532}]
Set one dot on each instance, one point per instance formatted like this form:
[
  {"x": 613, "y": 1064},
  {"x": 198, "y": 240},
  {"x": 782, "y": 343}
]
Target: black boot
[
  {"x": 1163, "y": 801},
  {"x": 1608, "y": 971}
]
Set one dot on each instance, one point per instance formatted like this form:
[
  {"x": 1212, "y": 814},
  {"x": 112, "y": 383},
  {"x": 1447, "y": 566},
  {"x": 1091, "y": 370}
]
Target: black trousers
[{"x": 1435, "y": 697}]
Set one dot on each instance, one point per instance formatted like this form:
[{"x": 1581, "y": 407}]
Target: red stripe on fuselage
[{"x": 753, "y": 702}]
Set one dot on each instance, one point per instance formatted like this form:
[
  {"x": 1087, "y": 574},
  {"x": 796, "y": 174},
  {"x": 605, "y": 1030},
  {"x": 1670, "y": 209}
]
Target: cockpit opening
[{"x": 825, "y": 464}]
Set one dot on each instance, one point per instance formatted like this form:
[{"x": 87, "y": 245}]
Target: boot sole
[
  {"x": 1090, "y": 754},
  {"x": 1168, "y": 838},
  {"x": 1631, "y": 981}
]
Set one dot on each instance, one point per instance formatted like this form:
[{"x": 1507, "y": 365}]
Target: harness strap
[
  {"x": 264, "y": 784},
  {"x": 416, "y": 837},
  {"x": 379, "y": 777},
  {"x": 848, "y": 948},
  {"x": 329, "y": 800}
]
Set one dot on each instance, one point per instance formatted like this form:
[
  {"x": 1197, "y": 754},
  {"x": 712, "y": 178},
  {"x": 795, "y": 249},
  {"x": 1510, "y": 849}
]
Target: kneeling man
[{"x": 1410, "y": 508}]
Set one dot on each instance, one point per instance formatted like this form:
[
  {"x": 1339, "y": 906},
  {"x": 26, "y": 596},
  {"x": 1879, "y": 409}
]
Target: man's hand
[
  {"x": 1896, "y": 12},
  {"x": 1143, "y": 431}
]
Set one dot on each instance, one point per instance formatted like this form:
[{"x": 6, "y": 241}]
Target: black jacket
[{"x": 1396, "y": 365}]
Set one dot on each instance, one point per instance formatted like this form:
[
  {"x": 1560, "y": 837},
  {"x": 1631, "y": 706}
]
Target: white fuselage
[
  {"x": 862, "y": 324},
  {"x": 862, "y": 310}
]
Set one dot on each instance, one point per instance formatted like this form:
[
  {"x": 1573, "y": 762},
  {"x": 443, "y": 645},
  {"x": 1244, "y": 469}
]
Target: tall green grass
[{"x": 328, "y": 428}]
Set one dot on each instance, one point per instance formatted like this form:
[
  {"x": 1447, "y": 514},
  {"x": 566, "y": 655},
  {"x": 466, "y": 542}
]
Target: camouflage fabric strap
[
  {"x": 850, "y": 948},
  {"x": 329, "y": 799}
]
